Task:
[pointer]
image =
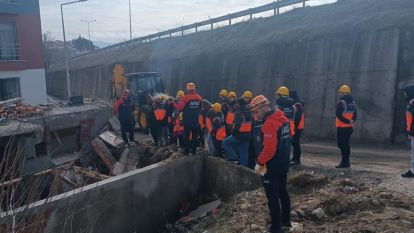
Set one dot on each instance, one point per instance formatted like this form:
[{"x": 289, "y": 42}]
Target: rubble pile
[
  {"x": 319, "y": 204},
  {"x": 15, "y": 109}
]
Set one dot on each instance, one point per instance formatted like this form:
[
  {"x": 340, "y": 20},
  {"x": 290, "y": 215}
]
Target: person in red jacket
[
  {"x": 123, "y": 110},
  {"x": 190, "y": 105},
  {"x": 273, "y": 161}
]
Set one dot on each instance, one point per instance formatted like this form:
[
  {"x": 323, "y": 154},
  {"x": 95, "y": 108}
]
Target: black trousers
[
  {"x": 343, "y": 136},
  {"x": 190, "y": 139},
  {"x": 127, "y": 126},
  {"x": 276, "y": 190},
  {"x": 297, "y": 151},
  {"x": 162, "y": 134},
  {"x": 217, "y": 147},
  {"x": 154, "y": 131}
]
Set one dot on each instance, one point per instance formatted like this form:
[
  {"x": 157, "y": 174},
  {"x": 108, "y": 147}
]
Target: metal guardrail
[
  {"x": 10, "y": 52},
  {"x": 274, "y": 6}
]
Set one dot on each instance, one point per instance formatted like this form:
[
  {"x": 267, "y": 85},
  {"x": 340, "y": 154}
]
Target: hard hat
[
  {"x": 216, "y": 107},
  {"x": 224, "y": 93},
  {"x": 258, "y": 101},
  {"x": 345, "y": 89},
  {"x": 180, "y": 94},
  {"x": 283, "y": 91},
  {"x": 232, "y": 94},
  {"x": 191, "y": 87},
  {"x": 247, "y": 94},
  {"x": 127, "y": 92}
]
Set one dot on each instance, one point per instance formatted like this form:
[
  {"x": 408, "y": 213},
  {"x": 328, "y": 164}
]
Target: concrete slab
[{"x": 18, "y": 128}]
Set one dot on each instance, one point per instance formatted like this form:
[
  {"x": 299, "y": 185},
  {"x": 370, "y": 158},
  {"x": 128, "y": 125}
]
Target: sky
[{"x": 148, "y": 16}]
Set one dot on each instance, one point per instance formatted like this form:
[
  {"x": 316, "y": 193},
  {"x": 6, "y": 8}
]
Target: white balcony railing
[{"x": 10, "y": 52}]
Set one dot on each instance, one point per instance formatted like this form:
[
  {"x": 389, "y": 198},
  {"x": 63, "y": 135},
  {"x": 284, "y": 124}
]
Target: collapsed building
[{"x": 366, "y": 44}]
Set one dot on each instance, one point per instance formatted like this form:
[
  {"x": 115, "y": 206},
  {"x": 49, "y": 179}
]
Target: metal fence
[{"x": 274, "y": 6}]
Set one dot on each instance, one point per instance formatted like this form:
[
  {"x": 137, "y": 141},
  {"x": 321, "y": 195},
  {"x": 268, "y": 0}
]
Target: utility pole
[
  {"x": 130, "y": 21},
  {"x": 66, "y": 47},
  {"x": 89, "y": 30}
]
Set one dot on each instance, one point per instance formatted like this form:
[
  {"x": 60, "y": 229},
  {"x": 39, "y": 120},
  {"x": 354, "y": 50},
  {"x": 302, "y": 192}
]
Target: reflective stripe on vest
[
  {"x": 230, "y": 118},
  {"x": 160, "y": 114},
  {"x": 221, "y": 134},
  {"x": 348, "y": 113}
]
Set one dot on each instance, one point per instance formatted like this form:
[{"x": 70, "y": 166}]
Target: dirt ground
[{"x": 370, "y": 197}]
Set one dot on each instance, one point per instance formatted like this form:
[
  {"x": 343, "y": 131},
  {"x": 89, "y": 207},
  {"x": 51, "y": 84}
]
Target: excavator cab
[{"x": 143, "y": 86}]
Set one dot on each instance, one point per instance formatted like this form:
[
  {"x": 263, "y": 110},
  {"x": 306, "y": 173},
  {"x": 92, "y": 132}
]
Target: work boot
[
  {"x": 408, "y": 174},
  {"x": 294, "y": 162},
  {"x": 342, "y": 165}
]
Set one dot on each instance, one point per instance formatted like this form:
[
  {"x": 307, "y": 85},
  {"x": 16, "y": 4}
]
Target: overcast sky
[{"x": 148, "y": 16}]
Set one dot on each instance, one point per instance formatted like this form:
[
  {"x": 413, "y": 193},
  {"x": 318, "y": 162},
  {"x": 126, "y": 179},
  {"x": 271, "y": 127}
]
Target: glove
[{"x": 259, "y": 169}]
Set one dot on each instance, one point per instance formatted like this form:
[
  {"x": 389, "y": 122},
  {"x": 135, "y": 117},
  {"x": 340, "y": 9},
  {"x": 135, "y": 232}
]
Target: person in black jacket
[
  {"x": 299, "y": 123},
  {"x": 190, "y": 105},
  {"x": 240, "y": 134},
  {"x": 124, "y": 111},
  {"x": 346, "y": 115},
  {"x": 409, "y": 94}
]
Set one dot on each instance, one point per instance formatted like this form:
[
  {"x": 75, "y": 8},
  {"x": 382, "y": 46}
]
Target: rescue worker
[
  {"x": 209, "y": 127},
  {"x": 230, "y": 113},
  {"x": 190, "y": 105},
  {"x": 285, "y": 104},
  {"x": 160, "y": 111},
  {"x": 346, "y": 115},
  {"x": 409, "y": 94},
  {"x": 247, "y": 96},
  {"x": 178, "y": 131},
  {"x": 170, "y": 112},
  {"x": 240, "y": 135},
  {"x": 124, "y": 111},
  {"x": 299, "y": 126},
  {"x": 218, "y": 131},
  {"x": 223, "y": 100},
  {"x": 273, "y": 161}
]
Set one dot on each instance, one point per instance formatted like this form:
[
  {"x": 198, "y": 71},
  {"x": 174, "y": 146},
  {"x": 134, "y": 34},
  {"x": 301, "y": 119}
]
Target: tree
[{"x": 83, "y": 44}]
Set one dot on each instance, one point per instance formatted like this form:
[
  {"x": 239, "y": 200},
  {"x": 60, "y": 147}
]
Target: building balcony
[{"x": 10, "y": 52}]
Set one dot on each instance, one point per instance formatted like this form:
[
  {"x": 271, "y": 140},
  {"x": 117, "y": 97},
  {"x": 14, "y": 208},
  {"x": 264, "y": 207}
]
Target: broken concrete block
[
  {"x": 318, "y": 214},
  {"x": 112, "y": 139},
  {"x": 100, "y": 148},
  {"x": 203, "y": 210},
  {"x": 115, "y": 124}
]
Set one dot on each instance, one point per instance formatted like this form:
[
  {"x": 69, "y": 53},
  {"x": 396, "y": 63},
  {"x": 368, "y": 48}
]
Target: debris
[
  {"x": 203, "y": 210},
  {"x": 110, "y": 138},
  {"x": 115, "y": 124},
  {"x": 100, "y": 148},
  {"x": 318, "y": 214}
]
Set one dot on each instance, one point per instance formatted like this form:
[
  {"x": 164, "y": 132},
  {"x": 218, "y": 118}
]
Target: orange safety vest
[
  {"x": 408, "y": 116},
  {"x": 160, "y": 114},
  {"x": 209, "y": 124},
  {"x": 201, "y": 121},
  {"x": 302, "y": 119},
  {"x": 221, "y": 134},
  {"x": 246, "y": 126},
  {"x": 230, "y": 118},
  {"x": 178, "y": 128},
  {"x": 348, "y": 113}
]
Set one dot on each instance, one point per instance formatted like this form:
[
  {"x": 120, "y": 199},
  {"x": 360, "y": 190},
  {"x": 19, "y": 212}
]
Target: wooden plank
[
  {"x": 111, "y": 139},
  {"x": 91, "y": 174},
  {"x": 104, "y": 153}
]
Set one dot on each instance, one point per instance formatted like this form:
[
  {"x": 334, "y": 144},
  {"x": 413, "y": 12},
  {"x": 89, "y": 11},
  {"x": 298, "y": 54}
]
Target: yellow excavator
[{"x": 143, "y": 86}]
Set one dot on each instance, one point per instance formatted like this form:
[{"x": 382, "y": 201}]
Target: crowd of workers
[{"x": 252, "y": 132}]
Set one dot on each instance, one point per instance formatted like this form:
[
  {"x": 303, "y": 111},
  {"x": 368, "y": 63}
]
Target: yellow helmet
[
  {"x": 283, "y": 91},
  {"x": 247, "y": 94},
  {"x": 345, "y": 89},
  {"x": 216, "y": 107},
  {"x": 224, "y": 93},
  {"x": 232, "y": 94},
  {"x": 180, "y": 94}
]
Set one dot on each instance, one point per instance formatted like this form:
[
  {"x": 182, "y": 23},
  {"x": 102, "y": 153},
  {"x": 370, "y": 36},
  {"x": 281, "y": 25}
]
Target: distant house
[{"x": 22, "y": 71}]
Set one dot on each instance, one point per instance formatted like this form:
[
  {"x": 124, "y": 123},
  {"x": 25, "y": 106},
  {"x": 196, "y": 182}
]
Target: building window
[
  {"x": 8, "y": 45},
  {"x": 9, "y": 88}
]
